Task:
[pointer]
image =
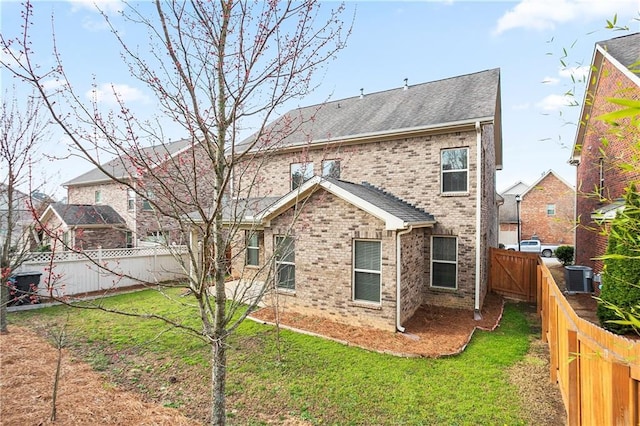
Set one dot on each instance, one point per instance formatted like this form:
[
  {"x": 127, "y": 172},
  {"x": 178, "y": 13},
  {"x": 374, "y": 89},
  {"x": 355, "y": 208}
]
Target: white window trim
[
  {"x": 442, "y": 172},
  {"x": 249, "y": 247},
  {"x": 283, "y": 262},
  {"x": 354, "y": 270},
  {"x": 131, "y": 200},
  {"x": 97, "y": 197},
  {"x": 443, "y": 261}
]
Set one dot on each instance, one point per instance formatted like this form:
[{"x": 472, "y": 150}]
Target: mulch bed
[{"x": 433, "y": 331}]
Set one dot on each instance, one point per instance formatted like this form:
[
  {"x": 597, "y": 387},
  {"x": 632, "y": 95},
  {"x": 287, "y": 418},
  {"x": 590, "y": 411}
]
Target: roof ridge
[{"x": 392, "y": 196}]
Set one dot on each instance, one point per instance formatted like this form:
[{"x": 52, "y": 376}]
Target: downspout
[
  {"x": 399, "y": 327},
  {"x": 476, "y": 311}
]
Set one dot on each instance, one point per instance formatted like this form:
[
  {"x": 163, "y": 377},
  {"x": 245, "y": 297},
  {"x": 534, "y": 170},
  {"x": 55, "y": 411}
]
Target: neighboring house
[
  {"x": 22, "y": 218},
  {"x": 601, "y": 152},
  {"x": 545, "y": 211},
  {"x": 83, "y": 227},
  {"x": 135, "y": 205},
  {"x": 385, "y": 202}
]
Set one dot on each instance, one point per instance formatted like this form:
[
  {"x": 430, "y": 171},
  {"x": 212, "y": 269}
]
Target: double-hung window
[
  {"x": 455, "y": 170},
  {"x": 146, "y": 203},
  {"x": 285, "y": 258},
  {"x": 253, "y": 248},
  {"x": 300, "y": 173},
  {"x": 444, "y": 262},
  {"x": 97, "y": 196},
  {"x": 367, "y": 270}
]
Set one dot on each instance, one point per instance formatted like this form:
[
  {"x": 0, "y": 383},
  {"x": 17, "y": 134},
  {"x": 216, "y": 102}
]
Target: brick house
[
  {"x": 134, "y": 193},
  {"x": 546, "y": 211},
  {"x": 84, "y": 227},
  {"x": 599, "y": 153},
  {"x": 378, "y": 203}
]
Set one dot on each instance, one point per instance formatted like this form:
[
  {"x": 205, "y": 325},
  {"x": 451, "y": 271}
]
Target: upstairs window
[
  {"x": 146, "y": 204},
  {"x": 444, "y": 262},
  {"x": 551, "y": 209},
  {"x": 131, "y": 199},
  {"x": 97, "y": 196},
  {"x": 331, "y": 168},
  {"x": 367, "y": 271},
  {"x": 253, "y": 248},
  {"x": 300, "y": 173},
  {"x": 455, "y": 170}
]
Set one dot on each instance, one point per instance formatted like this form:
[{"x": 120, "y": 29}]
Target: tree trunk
[
  {"x": 219, "y": 374},
  {"x": 4, "y": 300}
]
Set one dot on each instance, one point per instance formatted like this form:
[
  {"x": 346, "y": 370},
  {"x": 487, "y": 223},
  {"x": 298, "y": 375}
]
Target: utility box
[
  {"x": 578, "y": 278},
  {"x": 25, "y": 288}
]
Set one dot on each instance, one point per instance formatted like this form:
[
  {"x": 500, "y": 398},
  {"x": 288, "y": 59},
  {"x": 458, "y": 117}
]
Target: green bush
[
  {"x": 620, "y": 296},
  {"x": 565, "y": 255}
]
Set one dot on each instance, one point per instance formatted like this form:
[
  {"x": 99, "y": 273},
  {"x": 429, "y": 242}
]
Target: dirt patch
[
  {"x": 27, "y": 369},
  {"x": 432, "y": 332}
]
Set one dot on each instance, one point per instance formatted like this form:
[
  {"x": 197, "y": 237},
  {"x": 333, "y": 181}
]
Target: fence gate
[{"x": 513, "y": 274}]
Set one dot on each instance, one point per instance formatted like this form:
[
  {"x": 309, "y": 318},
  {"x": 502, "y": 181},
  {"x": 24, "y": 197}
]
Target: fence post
[
  {"x": 99, "y": 267},
  {"x": 573, "y": 387}
]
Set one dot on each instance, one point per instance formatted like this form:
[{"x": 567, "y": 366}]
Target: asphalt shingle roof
[
  {"x": 85, "y": 214},
  {"x": 385, "y": 201},
  {"x": 441, "y": 102},
  {"x": 625, "y": 49},
  {"x": 121, "y": 167}
]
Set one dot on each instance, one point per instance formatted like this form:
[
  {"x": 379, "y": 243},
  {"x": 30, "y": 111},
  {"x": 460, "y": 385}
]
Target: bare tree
[
  {"x": 214, "y": 68},
  {"x": 22, "y": 129}
]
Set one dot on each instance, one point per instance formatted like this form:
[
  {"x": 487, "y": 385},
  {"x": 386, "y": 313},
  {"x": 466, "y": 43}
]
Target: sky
[{"x": 421, "y": 41}]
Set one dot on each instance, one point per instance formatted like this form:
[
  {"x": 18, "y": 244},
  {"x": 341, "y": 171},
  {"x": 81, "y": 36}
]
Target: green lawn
[{"x": 317, "y": 380}]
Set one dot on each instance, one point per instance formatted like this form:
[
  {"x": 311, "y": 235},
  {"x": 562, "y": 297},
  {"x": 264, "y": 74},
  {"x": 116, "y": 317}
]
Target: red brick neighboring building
[
  {"x": 602, "y": 152},
  {"x": 546, "y": 211}
]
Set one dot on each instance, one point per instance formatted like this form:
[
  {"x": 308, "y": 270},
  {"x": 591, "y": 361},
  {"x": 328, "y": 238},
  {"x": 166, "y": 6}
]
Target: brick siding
[{"x": 618, "y": 150}]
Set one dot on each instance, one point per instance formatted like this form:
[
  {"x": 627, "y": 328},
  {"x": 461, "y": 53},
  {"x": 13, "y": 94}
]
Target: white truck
[{"x": 533, "y": 246}]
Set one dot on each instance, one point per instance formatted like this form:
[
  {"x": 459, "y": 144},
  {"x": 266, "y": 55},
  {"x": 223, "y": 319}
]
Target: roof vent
[
  {"x": 406, "y": 84},
  {"x": 361, "y": 93}
]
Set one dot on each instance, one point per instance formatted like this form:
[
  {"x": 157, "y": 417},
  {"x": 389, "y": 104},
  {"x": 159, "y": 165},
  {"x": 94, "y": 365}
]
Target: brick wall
[
  {"x": 617, "y": 151},
  {"x": 412, "y": 274},
  {"x": 551, "y": 229},
  {"x": 408, "y": 168}
]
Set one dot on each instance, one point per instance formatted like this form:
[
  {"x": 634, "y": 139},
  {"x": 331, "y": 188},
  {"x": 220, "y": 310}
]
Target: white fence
[{"x": 78, "y": 273}]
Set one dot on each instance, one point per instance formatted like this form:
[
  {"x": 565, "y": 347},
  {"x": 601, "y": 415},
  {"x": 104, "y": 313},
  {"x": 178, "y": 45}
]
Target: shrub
[
  {"x": 565, "y": 255},
  {"x": 620, "y": 296}
]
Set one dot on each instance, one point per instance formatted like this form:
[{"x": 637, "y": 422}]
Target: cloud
[
  {"x": 106, "y": 93},
  {"x": 546, "y": 14},
  {"x": 556, "y": 102}
]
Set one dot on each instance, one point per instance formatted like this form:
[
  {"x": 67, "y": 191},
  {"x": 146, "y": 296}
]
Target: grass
[{"x": 320, "y": 381}]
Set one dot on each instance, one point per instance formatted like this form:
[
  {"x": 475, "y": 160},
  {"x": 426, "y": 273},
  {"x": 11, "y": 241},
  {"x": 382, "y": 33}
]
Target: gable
[{"x": 621, "y": 53}]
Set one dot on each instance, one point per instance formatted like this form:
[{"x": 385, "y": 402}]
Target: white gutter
[
  {"x": 399, "y": 327},
  {"x": 476, "y": 312}
]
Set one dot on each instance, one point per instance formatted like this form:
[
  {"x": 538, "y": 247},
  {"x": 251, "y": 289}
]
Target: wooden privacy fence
[
  {"x": 598, "y": 372},
  {"x": 513, "y": 274},
  {"x": 78, "y": 273}
]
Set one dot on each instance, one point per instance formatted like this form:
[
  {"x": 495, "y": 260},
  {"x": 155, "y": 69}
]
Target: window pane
[
  {"x": 444, "y": 249},
  {"x": 331, "y": 168},
  {"x": 367, "y": 286},
  {"x": 285, "y": 249},
  {"x": 444, "y": 275},
  {"x": 300, "y": 173},
  {"x": 252, "y": 241},
  {"x": 252, "y": 257},
  {"x": 286, "y": 276},
  {"x": 367, "y": 255},
  {"x": 454, "y": 159},
  {"x": 454, "y": 182}
]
